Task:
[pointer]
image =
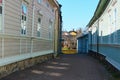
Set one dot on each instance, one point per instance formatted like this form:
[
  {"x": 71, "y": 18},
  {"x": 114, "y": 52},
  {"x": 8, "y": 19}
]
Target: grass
[{"x": 66, "y": 50}]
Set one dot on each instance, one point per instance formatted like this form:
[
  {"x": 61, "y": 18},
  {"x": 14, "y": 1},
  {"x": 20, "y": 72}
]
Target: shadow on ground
[{"x": 65, "y": 67}]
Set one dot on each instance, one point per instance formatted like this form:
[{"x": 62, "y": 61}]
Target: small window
[
  {"x": 0, "y": 9},
  {"x": 47, "y": 4},
  {"x": 38, "y": 27},
  {"x": 52, "y": 10},
  {"x": 24, "y": 19},
  {"x": 50, "y": 29},
  {"x": 0, "y": 15},
  {"x": 39, "y": 1}
]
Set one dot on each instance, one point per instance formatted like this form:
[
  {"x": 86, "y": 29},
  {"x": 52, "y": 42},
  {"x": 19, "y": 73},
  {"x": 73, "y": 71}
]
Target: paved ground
[{"x": 67, "y": 67}]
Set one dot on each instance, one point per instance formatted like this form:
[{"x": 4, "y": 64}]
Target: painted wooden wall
[
  {"x": 13, "y": 45},
  {"x": 107, "y": 29}
]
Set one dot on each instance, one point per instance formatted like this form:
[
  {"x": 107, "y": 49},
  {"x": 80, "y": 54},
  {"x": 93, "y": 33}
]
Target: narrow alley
[
  {"x": 66, "y": 67},
  {"x": 59, "y": 40}
]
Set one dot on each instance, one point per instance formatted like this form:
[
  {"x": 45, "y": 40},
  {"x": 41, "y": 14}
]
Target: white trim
[
  {"x": 33, "y": 18},
  {"x": 56, "y": 3},
  {"x": 26, "y": 24},
  {"x": 114, "y": 63},
  {"x": 26, "y": 44},
  {"x": 3, "y": 16},
  {"x": 20, "y": 46},
  {"x": 2, "y": 48},
  {"x": 23, "y": 37},
  {"x": 13, "y": 59},
  {"x": 41, "y": 53},
  {"x": 31, "y": 46}
]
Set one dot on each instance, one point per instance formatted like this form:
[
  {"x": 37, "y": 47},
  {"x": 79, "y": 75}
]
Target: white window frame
[
  {"x": 39, "y": 1},
  {"x": 24, "y": 22},
  {"x": 50, "y": 29},
  {"x": 39, "y": 27},
  {"x": 1, "y": 17}
]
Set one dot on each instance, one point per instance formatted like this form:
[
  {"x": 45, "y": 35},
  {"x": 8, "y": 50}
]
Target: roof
[
  {"x": 82, "y": 36},
  {"x": 73, "y": 32},
  {"x": 54, "y": 3},
  {"x": 99, "y": 11}
]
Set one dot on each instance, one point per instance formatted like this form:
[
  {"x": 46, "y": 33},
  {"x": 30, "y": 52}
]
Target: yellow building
[{"x": 69, "y": 42}]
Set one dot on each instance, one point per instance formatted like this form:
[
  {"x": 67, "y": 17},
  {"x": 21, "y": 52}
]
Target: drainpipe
[
  {"x": 90, "y": 39},
  {"x": 33, "y": 13},
  {"x": 60, "y": 29},
  {"x": 56, "y": 33},
  {"x": 98, "y": 38}
]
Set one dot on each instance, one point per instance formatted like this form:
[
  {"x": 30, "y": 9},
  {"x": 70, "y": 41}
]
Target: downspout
[
  {"x": 55, "y": 33},
  {"x": 33, "y": 18},
  {"x": 33, "y": 13},
  {"x": 60, "y": 38},
  {"x": 91, "y": 39},
  {"x": 98, "y": 37}
]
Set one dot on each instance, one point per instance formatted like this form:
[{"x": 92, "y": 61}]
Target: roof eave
[{"x": 99, "y": 11}]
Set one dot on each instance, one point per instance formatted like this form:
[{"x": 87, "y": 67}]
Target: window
[
  {"x": 52, "y": 10},
  {"x": 23, "y": 19},
  {"x": 38, "y": 27},
  {"x": 47, "y": 4},
  {"x": 50, "y": 29},
  {"x": 39, "y": 1},
  {"x": 0, "y": 15}
]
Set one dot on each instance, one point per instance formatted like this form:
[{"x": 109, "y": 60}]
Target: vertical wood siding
[{"x": 109, "y": 42}]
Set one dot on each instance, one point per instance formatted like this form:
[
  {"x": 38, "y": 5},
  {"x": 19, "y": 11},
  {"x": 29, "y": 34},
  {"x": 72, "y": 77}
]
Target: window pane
[
  {"x": 0, "y": 1},
  {"x": 22, "y": 17},
  {"x": 39, "y": 20},
  {"x": 24, "y": 9},
  {"x": 0, "y": 22},
  {"x": 0, "y": 9},
  {"x": 38, "y": 33},
  {"x": 39, "y": 1},
  {"x": 25, "y": 18},
  {"x": 0, "y": 18}
]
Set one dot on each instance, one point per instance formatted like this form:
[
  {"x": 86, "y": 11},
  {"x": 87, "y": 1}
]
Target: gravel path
[{"x": 66, "y": 67}]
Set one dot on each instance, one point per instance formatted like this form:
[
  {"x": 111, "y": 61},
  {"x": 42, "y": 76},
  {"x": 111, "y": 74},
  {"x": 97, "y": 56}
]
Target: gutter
[{"x": 99, "y": 11}]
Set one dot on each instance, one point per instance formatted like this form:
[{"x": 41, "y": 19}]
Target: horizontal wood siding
[
  {"x": 46, "y": 15},
  {"x": 12, "y": 17},
  {"x": 13, "y": 43},
  {"x": 11, "y": 47},
  {"x": 42, "y": 45}
]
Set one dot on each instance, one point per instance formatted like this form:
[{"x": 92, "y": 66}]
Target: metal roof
[{"x": 99, "y": 11}]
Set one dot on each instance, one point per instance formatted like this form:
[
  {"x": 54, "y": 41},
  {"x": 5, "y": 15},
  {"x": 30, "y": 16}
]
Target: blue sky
[{"x": 77, "y": 13}]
